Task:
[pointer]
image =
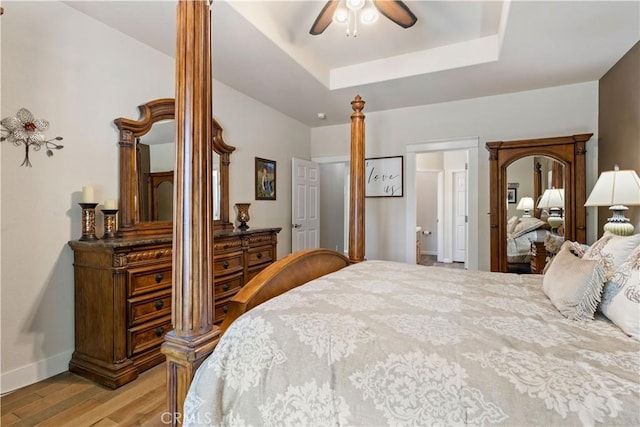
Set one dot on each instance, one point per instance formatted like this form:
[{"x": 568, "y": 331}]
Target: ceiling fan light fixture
[
  {"x": 369, "y": 15},
  {"x": 355, "y": 4},
  {"x": 341, "y": 15}
]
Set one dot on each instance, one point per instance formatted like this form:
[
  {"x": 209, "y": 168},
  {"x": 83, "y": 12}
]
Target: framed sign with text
[{"x": 384, "y": 177}]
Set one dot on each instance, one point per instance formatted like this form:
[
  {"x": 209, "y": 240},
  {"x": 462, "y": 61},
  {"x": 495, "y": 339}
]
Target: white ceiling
[{"x": 456, "y": 50}]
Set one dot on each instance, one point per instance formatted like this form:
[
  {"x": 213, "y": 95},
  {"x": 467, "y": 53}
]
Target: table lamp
[
  {"x": 525, "y": 204},
  {"x": 553, "y": 200},
  {"x": 616, "y": 189}
]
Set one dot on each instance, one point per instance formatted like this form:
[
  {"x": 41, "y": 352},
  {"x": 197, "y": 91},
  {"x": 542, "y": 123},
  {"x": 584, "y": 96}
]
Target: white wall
[
  {"x": 555, "y": 111},
  {"x": 81, "y": 75},
  {"x": 521, "y": 172},
  {"x": 332, "y": 206},
  {"x": 259, "y": 131}
]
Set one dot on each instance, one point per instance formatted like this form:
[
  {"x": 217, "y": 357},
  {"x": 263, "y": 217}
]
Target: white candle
[
  {"x": 87, "y": 194},
  {"x": 110, "y": 204}
]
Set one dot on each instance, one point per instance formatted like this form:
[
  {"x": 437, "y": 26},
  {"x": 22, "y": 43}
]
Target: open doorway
[
  {"x": 441, "y": 206},
  {"x": 456, "y": 163}
]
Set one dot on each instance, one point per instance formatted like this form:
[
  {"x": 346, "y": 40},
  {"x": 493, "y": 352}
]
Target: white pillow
[
  {"x": 612, "y": 251},
  {"x": 574, "y": 285},
  {"x": 621, "y": 296}
]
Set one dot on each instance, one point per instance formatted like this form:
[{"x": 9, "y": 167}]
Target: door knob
[{"x": 297, "y": 225}]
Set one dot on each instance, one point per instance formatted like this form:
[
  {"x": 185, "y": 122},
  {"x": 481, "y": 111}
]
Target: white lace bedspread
[{"x": 383, "y": 343}]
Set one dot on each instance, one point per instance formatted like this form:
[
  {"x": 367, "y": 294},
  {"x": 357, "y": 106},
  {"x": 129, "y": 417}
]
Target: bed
[
  {"x": 385, "y": 343},
  {"x": 521, "y": 232},
  {"x": 318, "y": 338}
]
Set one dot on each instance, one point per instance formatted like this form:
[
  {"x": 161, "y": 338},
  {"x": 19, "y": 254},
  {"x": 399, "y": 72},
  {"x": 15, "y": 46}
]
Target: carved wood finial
[{"x": 357, "y": 104}]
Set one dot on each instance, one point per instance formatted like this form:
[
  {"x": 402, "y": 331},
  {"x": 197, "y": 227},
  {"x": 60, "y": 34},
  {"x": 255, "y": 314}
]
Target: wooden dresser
[{"x": 122, "y": 290}]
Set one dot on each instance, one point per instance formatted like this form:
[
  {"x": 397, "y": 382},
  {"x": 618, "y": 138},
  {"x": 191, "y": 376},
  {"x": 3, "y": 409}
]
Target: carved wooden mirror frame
[
  {"x": 568, "y": 150},
  {"x": 129, "y": 130}
]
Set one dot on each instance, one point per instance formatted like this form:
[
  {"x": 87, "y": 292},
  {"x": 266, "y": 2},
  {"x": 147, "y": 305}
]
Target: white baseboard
[{"x": 34, "y": 372}]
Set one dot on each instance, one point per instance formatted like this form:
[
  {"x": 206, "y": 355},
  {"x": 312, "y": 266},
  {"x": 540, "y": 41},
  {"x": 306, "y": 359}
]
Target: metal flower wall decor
[{"x": 26, "y": 129}]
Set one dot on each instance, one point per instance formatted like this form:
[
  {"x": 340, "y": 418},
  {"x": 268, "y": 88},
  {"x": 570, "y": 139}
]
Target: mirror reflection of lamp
[
  {"x": 617, "y": 189},
  {"x": 553, "y": 200},
  {"x": 525, "y": 204}
]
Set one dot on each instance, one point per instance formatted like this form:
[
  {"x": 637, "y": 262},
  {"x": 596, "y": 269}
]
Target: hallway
[{"x": 430, "y": 260}]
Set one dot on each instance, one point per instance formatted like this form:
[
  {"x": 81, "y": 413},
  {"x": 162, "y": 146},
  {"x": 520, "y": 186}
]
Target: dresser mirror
[
  {"x": 147, "y": 158},
  {"x": 567, "y": 170}
]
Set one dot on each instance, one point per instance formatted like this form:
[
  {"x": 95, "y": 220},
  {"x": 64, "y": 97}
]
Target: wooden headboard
[{"x": 194, "y": 336}]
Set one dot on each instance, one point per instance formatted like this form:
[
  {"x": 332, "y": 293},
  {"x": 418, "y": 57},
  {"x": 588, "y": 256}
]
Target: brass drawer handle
[
  {"x": 225, "y": 309},
  {"x": 225, "y": 264},
  {"x": 159, "y": 277},
  {"x": 159, "y": 304},
  {"x": 225, "y": 286},
  {"x": 159, "y": 331},
  {"x": 259, "y": 255}
]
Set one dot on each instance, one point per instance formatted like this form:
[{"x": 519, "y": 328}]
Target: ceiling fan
[{"x": 395, "y": 10}]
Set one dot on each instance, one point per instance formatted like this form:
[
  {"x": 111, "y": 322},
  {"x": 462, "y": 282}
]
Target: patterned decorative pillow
[
  {"x": 621, "y": 296},
  {"x": 612, "y": 251},
  {"x": 579, "y": 249},
  {"x": 574, "y": 285}
]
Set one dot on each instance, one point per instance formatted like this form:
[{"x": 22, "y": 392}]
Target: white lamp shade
[
  {"x": 552, "y": 198},
  {"x": 525, "y": 204},
  {"x": 615, "y": 187}
]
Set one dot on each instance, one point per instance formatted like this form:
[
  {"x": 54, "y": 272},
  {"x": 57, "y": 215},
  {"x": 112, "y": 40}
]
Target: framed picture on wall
[
  {"x": 512, "y": 195},
  {"x": 265, "y": 179},
  {"x": 384, "y": 177}
]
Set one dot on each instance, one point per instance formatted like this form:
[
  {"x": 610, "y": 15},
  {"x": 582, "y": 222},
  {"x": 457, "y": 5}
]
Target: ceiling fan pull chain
[{"x": 354, "y": 21}]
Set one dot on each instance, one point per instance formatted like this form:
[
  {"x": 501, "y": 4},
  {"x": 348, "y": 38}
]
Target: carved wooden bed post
[
  {"x": 356, "y": 200},
  {"x": 194, "y": 336}
]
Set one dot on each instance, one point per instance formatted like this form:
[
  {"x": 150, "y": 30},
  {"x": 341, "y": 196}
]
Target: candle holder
[
  {"x": 243, "y": 215},
  {"x": 109, "y": 223},
  {"x": 88, "y": 221}
]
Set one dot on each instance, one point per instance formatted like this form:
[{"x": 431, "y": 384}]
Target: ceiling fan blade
[
  {"x": 396, "y": 11},
  {"x": 324, "y": 18}
]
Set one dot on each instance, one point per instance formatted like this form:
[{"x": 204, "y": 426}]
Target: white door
[
  {"x": 459, "y": 216},
  {"x": 305, "y": 206}
]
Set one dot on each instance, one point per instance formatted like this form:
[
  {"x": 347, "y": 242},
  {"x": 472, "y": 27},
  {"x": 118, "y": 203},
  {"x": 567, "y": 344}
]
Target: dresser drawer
[
  {"x": 221, "y": 309},
  {"x": 227, "y": 264},
  {"x": 148, "y": 307},
  {"x": 228, "y": 286},
  {"x": 260, "y": 255},
  {"x": 147, "y": 335},
  {"x": 253, "y": 272},
  {"x": 148, "y": 279}
]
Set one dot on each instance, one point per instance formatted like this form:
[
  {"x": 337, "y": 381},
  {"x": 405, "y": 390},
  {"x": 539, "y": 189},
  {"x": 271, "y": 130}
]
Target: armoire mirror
[
  {"x": 147, "y": 156},
  {"x": 569, "y": 151}
]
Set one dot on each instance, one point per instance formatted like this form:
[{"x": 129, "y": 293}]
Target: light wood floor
[{"x": 70, "y": 400}]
